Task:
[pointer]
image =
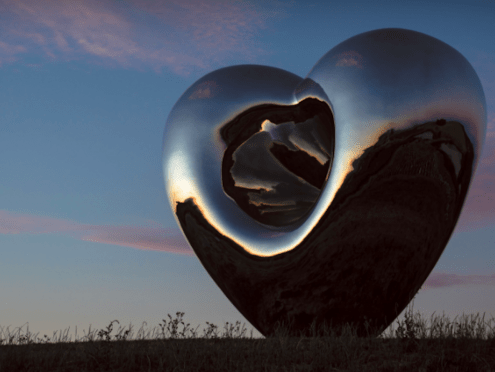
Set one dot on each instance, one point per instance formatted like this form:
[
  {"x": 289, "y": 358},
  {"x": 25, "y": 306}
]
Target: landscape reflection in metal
[{"x": 330, "y": 198}]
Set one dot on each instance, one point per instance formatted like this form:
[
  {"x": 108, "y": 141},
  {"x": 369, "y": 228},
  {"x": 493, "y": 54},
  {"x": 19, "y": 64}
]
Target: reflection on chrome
[
  {"x": 277, "y": 159},
  {"x": 328, "y": 198}
]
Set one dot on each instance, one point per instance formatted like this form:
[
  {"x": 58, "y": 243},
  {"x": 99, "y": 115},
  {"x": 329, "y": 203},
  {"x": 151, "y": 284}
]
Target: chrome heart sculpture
[{"x": 327, "y": 199}]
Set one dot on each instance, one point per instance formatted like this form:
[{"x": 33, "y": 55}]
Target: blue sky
[{"x": 86, "y": 232}]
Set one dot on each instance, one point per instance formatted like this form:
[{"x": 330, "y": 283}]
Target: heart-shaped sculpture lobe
[{"x": 327, "y": 199}]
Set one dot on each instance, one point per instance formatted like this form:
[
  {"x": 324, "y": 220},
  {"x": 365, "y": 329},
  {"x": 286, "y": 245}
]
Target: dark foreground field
[{"x": 464, "y": 345}]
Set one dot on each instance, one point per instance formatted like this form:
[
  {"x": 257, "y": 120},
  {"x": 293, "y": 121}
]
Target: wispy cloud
[
  {"x": 438, "y": 280},
  {"x": 152, "y": 237},
  {"x": 181, "y": 35}
]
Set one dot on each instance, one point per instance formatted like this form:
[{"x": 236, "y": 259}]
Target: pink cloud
[
  {"x": 9, "y": 52},
  {"x": 154, "y": 237},
  {"x": 180, "y": 35},
  {"x": 207, "y": 89},
  {"x": 140, "y": 237},
  {"x": 438, "y": 280},
  {"x": 148, "y": 238}
]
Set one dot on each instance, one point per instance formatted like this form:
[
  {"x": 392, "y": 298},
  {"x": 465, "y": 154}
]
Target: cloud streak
[
  {"x": 181, "y": 35},
  {"x": 157, "y": 238},
  {"x": 440, "y": 280},
  {"x": 141, "y": 237}
]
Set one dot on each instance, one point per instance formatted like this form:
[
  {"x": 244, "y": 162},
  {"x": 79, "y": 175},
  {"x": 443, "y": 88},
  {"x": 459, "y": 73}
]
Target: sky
[{"x": 87, "y": 235}]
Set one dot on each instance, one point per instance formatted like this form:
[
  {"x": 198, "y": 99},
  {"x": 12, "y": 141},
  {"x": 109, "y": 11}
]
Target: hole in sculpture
[{"x": 278, "y": 159}]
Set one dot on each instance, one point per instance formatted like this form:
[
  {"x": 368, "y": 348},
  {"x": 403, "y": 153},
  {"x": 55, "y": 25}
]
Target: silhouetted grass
[{"x": 464, "y": 345}]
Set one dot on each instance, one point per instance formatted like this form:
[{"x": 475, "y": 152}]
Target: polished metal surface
[{"x": 328, "y": 198}]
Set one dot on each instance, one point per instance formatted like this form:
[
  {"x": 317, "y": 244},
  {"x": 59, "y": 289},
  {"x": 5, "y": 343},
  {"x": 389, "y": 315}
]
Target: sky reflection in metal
[{"x": 382, "y": 80}]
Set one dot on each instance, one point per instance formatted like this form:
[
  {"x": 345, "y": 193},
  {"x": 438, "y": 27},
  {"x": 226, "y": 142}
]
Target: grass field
[{"x": 466, "y": 344}]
